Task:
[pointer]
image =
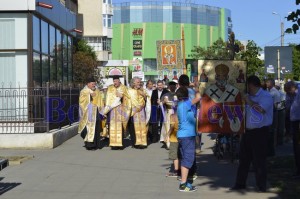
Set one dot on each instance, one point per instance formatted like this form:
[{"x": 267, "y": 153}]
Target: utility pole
[
  {"x": 281, "y": 29},
  {"x": 278, "y": 64},
  {"x": 282, "y": 33}
]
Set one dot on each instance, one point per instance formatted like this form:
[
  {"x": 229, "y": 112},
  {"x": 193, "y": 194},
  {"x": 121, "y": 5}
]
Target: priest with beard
[
  {"x": 138, "y": 119},
  {"x": 90, "y": 103},
  {"x": 117, "y": 111}
]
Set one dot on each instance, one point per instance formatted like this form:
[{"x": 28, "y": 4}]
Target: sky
[{"x": 253, "y": 19}]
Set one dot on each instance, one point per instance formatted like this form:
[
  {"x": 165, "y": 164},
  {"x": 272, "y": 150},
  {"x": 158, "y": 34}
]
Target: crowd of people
[{"x": 168, "y": 114}]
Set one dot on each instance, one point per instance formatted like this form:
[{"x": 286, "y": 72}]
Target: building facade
[
  {"x": 36, "y": 41},
  {"x": 97, "y": 26},
  {"x": 36, "y": 63},
  {"x": 138, "y": 25}
]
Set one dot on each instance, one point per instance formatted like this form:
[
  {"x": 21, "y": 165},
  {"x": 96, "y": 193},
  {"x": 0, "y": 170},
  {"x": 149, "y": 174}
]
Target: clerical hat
[
  {"x": 90, "y": 79},
  {"x": 115, "y": 77}
]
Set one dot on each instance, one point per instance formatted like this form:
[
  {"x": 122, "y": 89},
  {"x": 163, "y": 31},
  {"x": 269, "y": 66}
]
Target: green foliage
[
  {"x": 294, "y": 17},
  {"x": 83, "y": 67},
  {"x": 84, "y": 62},
  {"x": 296, "y": 62},
  {"x": 83, "y": 46},
  {"x": 255, "y": 66},
  {"x": 219, "y": 51}
]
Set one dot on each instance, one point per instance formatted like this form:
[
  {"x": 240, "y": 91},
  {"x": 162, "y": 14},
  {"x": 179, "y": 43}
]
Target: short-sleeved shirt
[
  {"x": 186, "y": 119},
  {"x": 255, "y": 119},
  {"x": 275, "y": 95},
  {"x": 295, "y": 107}
]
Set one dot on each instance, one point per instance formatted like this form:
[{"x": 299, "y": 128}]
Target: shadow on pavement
[{"x": 7, "y": 186}]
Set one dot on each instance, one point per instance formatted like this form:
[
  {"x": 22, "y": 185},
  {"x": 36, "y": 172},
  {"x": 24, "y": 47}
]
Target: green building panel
[
  {"x": 116, "y": 42},
  {"x": 215, "y": 33},
  {"x": 204, "y": 36},
  {"x": 153, "y": 32},
  {"x": 222, "y": 24},
  {"x": 122, "y": 43}
]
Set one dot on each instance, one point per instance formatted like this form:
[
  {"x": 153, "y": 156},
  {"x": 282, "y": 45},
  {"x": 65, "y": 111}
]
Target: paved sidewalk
[{"x": 71, "y": 172}]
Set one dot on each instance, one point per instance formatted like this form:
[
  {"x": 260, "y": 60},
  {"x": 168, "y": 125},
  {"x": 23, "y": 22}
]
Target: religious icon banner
[
  {"x": 169, "y": 55},
  {"x": 222, "y": 86}
]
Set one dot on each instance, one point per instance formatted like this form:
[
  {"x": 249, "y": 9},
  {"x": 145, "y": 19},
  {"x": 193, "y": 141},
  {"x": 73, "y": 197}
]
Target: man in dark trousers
[
  {"x": 254, "y": 142},
  {"x": 156, "y": 114}
]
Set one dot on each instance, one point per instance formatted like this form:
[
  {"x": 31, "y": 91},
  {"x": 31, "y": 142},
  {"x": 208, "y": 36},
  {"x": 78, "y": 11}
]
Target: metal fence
[{"x": 37, "y": 109}]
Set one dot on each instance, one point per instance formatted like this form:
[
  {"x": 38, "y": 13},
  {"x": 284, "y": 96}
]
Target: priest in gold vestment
[
  {"x": 90, "y": 103},
  {"x": 117, "y": 111},
  {"x": 138, "y": 120}
]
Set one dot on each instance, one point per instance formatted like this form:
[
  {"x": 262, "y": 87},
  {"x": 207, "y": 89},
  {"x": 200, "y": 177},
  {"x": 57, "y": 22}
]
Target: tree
[
  {"x": 296, "y": 63},
  {"x": 294, "y": 17},
  {"x": 219, "y": 51},
  {"x": 255, "y": 66},
  {"x": 84, "y": 62}
]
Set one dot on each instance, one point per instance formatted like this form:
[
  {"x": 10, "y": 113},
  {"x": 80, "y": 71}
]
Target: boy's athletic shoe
[{"x": 187, "y": 187}]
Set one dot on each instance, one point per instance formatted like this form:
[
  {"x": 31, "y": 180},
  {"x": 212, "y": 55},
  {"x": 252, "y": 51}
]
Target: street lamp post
[
  {"x": 281, "y": 43},
  {"x": 281, "y": 28}
]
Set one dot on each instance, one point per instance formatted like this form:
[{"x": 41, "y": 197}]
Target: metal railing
[{"x": 37, "y": 109}]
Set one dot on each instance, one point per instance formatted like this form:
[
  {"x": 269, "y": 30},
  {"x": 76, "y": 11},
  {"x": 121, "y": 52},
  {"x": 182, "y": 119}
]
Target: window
[
  {"x": 150, "y": 65},
  {"x": 59, "y": 55},
  {"x": 104, "y": 20},
  {"x": 107, "y": 21},
  {"x": 99, "y": 43},
  {"x": 52, "y": 40},
  {"x": 45, "y": 37},
  {"x": 107, "y": 1},
  {"x": 37, "y": 69},
  {"x": 36, "y": 33}
]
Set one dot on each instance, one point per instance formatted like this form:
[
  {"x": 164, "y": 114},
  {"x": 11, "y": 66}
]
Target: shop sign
[
  {"x": 137, "y": 53},
  {"x": 137, "y": 44},
  {"x": 137, "y": 32}
]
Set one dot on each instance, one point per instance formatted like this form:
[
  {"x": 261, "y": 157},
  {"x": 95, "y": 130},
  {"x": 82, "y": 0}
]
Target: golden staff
[{"x": 183, "y": 49}]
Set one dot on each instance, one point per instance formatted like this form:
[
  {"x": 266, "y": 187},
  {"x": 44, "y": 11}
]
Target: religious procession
[{"x": 178, "y": 112}]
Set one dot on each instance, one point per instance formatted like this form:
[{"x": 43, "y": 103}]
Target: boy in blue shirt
[{"x": 186, "y": 137}]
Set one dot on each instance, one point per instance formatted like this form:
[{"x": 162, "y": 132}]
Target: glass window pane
[
  {"x": 36, "y": 69},
  {"x": 70, "y": 59},
  {"x": 104, "y": 20},
  {"x": 65, "y": 58},
  {"x": 69, "y": 49},
  {"x": 53, "y": 75},
  {"x": 52, "y": 40},
  {"x": 45, "y": 37},
  {"x": 109, "y": 21},
  {"x": 45, "y": 69},
  {"x": 59, "y": 55},
  {"x": 70, "y": 72},
  {"x": 36, "y": 33}
]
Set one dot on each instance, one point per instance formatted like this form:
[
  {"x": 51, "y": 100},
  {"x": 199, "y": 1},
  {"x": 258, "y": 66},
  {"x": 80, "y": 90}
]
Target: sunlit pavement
[{"x": 70, "y": 172}]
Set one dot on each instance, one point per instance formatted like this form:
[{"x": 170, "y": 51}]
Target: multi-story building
[
  {"x": 36, "y": 41},
  {"x": 36, "y": 64},
  {"x": 97, "y": 26},
  {"x": 138, "y": 25}
]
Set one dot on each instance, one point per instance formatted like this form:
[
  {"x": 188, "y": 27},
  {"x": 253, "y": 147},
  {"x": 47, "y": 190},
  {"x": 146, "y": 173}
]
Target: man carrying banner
[{"x": 117, "y": 110}]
